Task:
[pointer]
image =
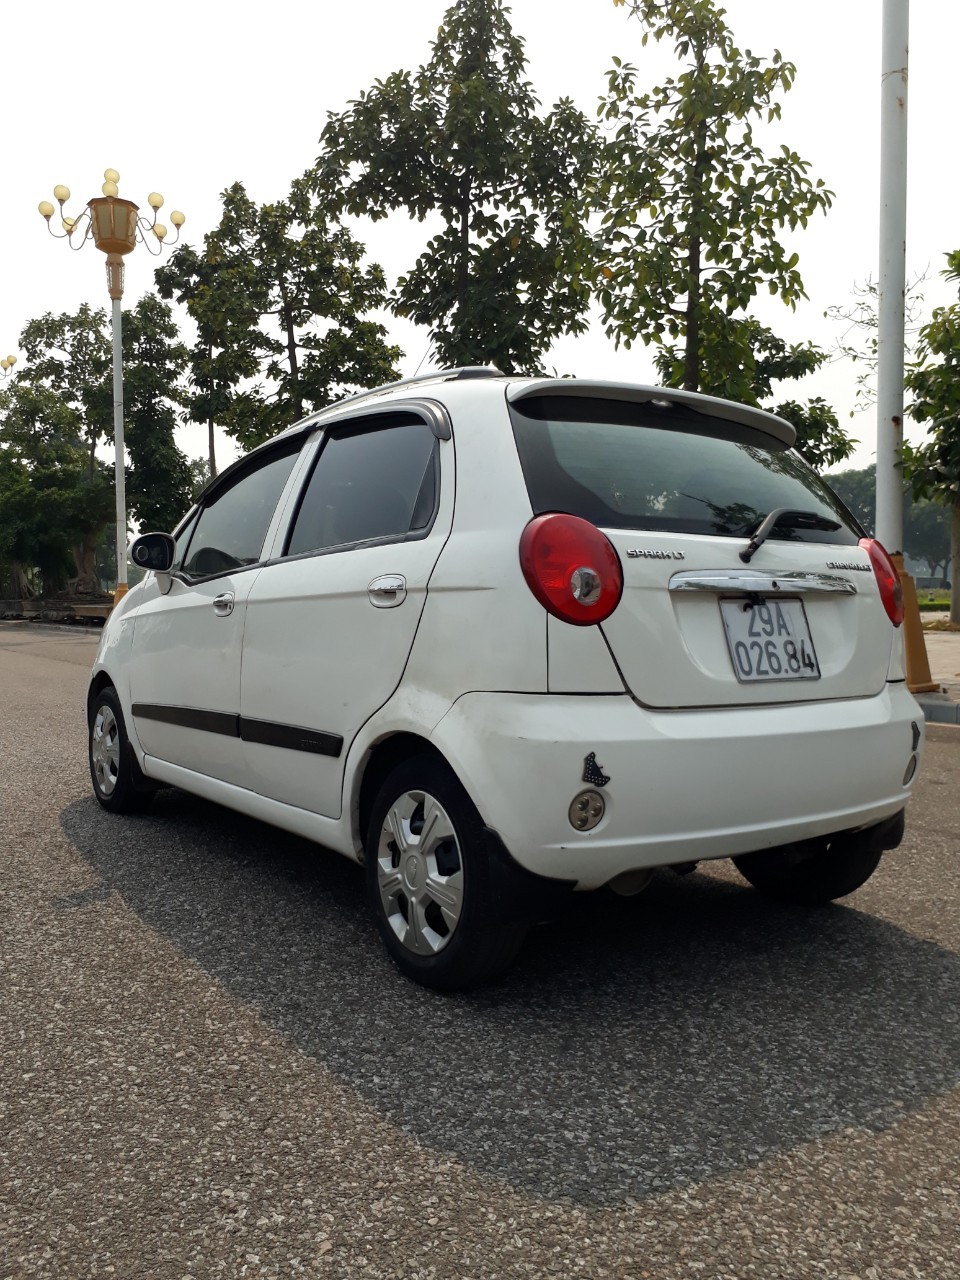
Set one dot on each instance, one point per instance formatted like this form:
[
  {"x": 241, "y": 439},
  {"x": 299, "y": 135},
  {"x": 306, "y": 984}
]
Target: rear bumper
[{"x": 683, "y": 785}]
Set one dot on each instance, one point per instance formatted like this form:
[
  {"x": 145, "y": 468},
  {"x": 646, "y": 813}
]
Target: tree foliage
[
  {"x": 159, "y": 482},
  {"x": 56, "y": 492},
  {"x": 692, "y": 207},
  {"x": 226, "y": 349},
  {"x": 766, "y": 359},
  {"x": 461, "y": 140},
  {"x": 926, "y": 525},
  {"x": 859, "y": 340},
  {"x": 858, "y": 489},
  {"x": 281, "y": 298},
  {"x": 933, "y": 468},
  {"x": 820, "y": 438}
]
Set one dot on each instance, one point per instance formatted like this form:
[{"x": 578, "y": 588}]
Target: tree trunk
[
  {"x": 292, "y": 358},
  {"x": 463, "y": 258},
  {"x": 85, "y": 558},
  {"x": 22, "y": 587},
  {"x": 955, "y": 563},
  {"x": 213, "y": 456},
  {"x": 691, "y": 354},
  {"x": 463, "y": 271}
]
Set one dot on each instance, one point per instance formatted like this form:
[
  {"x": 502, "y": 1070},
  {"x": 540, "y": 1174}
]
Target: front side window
[
  {"x": 623, "y": 465},
  {"x": 233, "y": 522},
  {"x": 371, "y": 482},
  {"x": 182, "y": 541}
]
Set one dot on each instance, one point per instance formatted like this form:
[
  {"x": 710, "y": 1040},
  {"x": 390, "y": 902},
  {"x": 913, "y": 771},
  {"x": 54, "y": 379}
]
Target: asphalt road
[{"x": 209, "y": 1068}]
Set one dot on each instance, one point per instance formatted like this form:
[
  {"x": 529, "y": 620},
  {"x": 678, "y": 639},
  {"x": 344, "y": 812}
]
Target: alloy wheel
[
  {"x": 420, "y": 873},
  {"x": 105, "y": 750}
]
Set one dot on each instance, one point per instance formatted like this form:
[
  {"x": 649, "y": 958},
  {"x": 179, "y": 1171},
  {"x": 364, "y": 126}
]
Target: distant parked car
[{"x": 502, "y": 639}]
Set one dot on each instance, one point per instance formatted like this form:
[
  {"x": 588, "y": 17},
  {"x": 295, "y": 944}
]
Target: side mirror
[{"x": 153, "y": 551}]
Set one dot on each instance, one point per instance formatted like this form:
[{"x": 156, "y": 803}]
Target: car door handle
[
  {"x": 387, "y": 591},
  {"x": 223, "y": 605}
]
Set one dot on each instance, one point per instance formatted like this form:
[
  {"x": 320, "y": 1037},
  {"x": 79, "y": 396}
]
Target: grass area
[{"x": 927, "y": 598}]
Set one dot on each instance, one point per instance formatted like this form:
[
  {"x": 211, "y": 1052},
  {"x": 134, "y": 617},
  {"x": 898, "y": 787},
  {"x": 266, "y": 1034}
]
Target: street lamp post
[
  {"x": 115, "y": 226},
  {"x": 890, "y": 313},
  {"x": 7, "y": 363}
]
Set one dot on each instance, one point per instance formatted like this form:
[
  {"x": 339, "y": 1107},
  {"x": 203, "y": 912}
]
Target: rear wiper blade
[{"x": 790, "y": 519}]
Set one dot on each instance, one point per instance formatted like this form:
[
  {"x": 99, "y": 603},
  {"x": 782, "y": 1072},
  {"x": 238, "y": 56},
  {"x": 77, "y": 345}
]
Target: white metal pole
[
  {"x": 892, "y": 283},
  {"x": 119, "y": 463}
]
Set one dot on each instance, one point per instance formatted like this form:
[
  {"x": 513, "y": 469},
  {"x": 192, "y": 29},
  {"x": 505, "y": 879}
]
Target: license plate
[{"x": 769, "y": 640}]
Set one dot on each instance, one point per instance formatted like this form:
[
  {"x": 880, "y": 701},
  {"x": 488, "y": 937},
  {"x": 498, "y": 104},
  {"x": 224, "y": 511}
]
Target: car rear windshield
[{"x": 624, "y": 465}]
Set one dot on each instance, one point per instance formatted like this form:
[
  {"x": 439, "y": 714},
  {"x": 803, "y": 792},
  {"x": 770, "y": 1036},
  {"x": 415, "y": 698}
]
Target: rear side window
[
  {"x": 372, "y": 482},
  {"x": 622, "y": 465}
]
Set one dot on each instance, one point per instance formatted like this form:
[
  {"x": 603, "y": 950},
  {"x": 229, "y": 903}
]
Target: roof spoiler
[{"x": 663, "y": 397}]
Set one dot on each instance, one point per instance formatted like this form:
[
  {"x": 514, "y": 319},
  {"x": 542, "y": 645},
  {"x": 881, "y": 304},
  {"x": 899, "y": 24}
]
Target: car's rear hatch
[{"x": 679, "y": 483}]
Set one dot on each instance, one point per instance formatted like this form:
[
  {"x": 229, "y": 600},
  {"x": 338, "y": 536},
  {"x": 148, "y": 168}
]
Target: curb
[
  {"x": 938, "y": 708},
  {"x": 88, "y": 631}
]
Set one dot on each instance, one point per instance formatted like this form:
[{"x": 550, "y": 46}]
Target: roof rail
[{"x": 448, "y": 375}]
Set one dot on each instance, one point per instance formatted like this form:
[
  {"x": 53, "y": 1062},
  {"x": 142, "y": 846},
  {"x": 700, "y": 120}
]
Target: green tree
[
  {"x": 53, "y": 506},
  {"x": 57, "y": 492},
  {"x": 691, "y": 206},
  {"x": 227, "y": 348},
  {"x": 54, "y": 414},
  {"x": 67, "y": 355},
  {"x": 926, "y": 525},
  {"x": 282, "y": 299},
  {"x": 200, "y": 477},
  {"x": 461, "y": 140},
  {"x": 858, "y": 489},
  {"x": 933, "y": 468},
  {"x": 766, "y": 359},
  {"x": 820, "y": 438},
  {"x": 154, "y": 360},
  {"x": 858, "y": 343},
  {"x": 926, "y": 534}
]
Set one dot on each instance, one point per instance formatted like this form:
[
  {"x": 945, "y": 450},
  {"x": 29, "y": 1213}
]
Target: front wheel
[
  {"x": 118, "y": 783},
  {"x": 429, "y": 880}
]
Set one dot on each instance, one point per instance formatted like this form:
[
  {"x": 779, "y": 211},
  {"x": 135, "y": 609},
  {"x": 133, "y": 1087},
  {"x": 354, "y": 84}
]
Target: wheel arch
[
  {"x": 99, "y": 682},
  {"x": 383, "y": 758}
]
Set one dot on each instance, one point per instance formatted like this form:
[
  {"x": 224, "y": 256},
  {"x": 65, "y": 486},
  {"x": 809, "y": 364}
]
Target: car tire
[
  {"x": 430, "y": 881},
  {"x": 813, "y": 873},
  {"x": 118, "y": 782}
]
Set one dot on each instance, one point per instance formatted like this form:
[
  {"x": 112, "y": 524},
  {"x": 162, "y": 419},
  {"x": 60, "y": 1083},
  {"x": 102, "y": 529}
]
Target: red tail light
[
  {"x": 572, "y": 568},
  {"x": 888, "y": 580}
]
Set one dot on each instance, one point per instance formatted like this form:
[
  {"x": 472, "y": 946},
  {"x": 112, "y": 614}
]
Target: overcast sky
[{"x": 186, "y": 100}]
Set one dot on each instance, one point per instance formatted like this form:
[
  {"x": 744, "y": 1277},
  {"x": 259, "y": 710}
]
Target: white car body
[{"x": 698, "y": 764}]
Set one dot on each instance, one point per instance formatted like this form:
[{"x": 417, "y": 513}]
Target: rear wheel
[
  {"x": 429, "y": 880},
  {"x": 811, "y": 873},
  {"x": 118, "y": 782}
]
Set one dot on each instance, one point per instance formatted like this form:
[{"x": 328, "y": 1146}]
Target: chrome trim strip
[{"x": 752, "y": 582}]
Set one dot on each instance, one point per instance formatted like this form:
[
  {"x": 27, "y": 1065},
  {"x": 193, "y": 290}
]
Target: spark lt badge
[{"x": 642, "y": 553}]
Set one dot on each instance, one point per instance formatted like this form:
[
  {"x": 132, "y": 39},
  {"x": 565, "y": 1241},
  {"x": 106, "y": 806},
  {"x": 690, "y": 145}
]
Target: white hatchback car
[{"x": 503, "y": 638}]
